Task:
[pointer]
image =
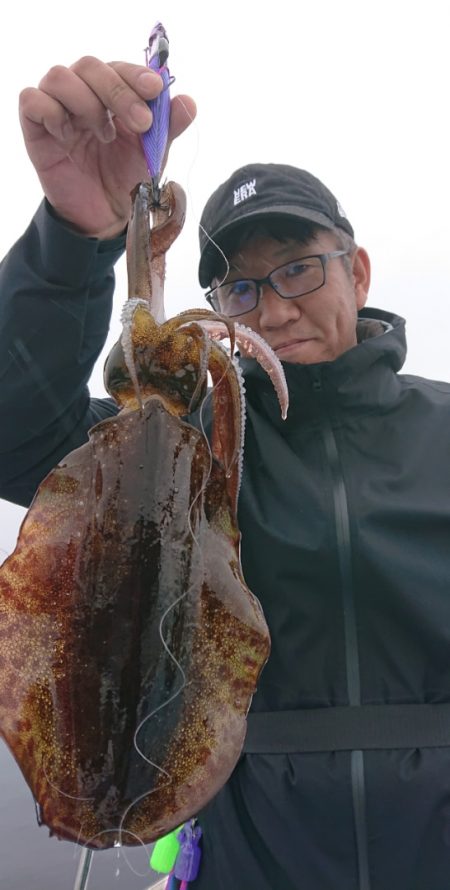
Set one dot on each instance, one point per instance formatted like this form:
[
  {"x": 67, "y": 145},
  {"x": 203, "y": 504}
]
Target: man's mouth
[{"x": 290, "y": 345}]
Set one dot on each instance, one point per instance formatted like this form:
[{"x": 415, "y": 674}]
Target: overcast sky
[{"x": 356, "y": 92}]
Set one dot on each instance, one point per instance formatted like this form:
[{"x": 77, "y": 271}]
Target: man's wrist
[
  {"x": 116, "y": 230},
  {"x": 69, "y": 258}
]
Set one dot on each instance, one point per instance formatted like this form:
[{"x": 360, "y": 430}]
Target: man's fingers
[
  {"x": 37, "y": 110},
  {"x": 182, "y": 112},
  {"x": 89, "y": 94},
  {"x": 75, "y": 102},
  {"x": 111, "y": 93},
  {"x": 122, "y": 88},
  {"x": 144, "y": 81}
]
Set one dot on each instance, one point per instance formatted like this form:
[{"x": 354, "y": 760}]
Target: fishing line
[
  {"x": 160, "y": 884},
  {"x": 174, "y": 694},
  {"x": 207, "y": 476},
  {"x": 82, "y": 877},
  {"x": 189, "y": 518},
  {"x": 85, "y": 862},
  {"x": 173, "y": 605},
  {"x": 121, "y": 851},
  {"x": 208, "y": 396},
  {"x": 63, "y": 793},
  {"x": 205, "y": 479},
  {"x": 203, "y": 370},
  {"x": 214, "y": 243},
  {"x": 131, "y": 368},
  {"x": 117, "y": 846},
  {"x": 79, "y": 837},
  {"x": 164, "y": 704}
]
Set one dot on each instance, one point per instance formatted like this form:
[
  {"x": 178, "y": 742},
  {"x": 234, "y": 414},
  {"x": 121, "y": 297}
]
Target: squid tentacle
[
  {"x": 209, "y": 315},
  {"x": 146, "y": 276},
  {"x": 228, "y": 416},
  {"x": 127, "y": 316},
  {"x": 147, "y": 244},
  {"x": 253, "y": 345}
]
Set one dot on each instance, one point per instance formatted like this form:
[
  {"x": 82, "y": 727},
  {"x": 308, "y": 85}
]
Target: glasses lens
[
  {"x": 235, "y": 297},
  {"x": 298, "y": 277}
]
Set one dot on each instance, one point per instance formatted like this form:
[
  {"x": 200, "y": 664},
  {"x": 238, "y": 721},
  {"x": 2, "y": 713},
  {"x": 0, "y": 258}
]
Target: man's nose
[{"x": 274, "y": 310}]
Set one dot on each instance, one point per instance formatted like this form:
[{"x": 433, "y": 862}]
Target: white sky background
[{"x": 356, "y": 92}]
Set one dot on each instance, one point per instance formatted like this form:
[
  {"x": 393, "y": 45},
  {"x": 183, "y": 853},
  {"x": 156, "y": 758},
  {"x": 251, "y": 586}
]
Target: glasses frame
[{"x": 259, "y": 282}]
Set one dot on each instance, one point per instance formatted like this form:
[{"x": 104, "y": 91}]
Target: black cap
[{"x": 261, "y": 190}]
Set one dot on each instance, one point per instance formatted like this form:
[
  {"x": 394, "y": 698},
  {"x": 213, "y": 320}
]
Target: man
[{"x": 344, "y": 507}]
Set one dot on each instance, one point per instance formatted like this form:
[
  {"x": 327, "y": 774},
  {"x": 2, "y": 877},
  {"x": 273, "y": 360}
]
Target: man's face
[{"x": 318, "y": 326}]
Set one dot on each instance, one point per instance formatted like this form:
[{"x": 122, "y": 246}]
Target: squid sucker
[{"x": 130, "y": 645}]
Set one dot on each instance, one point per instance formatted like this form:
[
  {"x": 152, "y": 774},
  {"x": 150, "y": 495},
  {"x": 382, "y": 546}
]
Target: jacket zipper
[{"x": 342, "y": 523}]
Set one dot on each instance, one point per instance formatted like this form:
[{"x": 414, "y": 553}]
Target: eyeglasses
[{"x": 293, "y": 279}]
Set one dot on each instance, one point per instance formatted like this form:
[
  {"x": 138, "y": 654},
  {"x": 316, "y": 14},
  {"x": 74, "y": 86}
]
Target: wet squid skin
[{"x": 130, "y": 646}]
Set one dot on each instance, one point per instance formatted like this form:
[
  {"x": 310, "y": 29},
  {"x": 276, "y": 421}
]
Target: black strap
[{"x": 348, "y": 729}]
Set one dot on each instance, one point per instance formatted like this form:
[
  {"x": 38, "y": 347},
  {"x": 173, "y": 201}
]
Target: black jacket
[{"x": 345, "y": 518}]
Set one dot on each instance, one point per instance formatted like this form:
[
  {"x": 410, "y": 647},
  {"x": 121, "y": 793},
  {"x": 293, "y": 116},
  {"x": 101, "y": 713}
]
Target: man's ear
[{"x": 361, "y": 276}]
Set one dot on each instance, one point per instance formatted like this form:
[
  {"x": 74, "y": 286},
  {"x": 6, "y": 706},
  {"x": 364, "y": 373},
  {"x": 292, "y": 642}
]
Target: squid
[{"x": 130, "y": 644}]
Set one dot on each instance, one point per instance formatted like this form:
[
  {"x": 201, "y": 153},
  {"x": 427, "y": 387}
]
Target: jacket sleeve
[{"x": 56, "y": 290}]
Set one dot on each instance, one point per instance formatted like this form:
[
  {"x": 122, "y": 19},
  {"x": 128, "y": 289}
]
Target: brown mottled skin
[
  {"x": 147, "y": 246},
  {"x": 130, "y": 644}
]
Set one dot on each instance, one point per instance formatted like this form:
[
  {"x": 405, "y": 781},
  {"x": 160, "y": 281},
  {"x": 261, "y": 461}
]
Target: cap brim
[{"x": 211, "y": 254}]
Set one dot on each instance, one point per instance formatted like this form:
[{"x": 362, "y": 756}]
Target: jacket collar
[{"x": 362, "y": 380}]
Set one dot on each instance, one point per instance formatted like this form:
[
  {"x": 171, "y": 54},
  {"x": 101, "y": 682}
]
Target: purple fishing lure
[{"x": 154, "y": 141}]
